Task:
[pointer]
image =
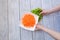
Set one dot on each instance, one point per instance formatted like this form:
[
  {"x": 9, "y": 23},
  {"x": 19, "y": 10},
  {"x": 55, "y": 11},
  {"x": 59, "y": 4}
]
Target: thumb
[{"x": 41, "y": 13}]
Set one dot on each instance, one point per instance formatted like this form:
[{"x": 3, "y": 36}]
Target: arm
[
  {"x": 55, "y": 9},
  {"x": 54, "y": 34}
]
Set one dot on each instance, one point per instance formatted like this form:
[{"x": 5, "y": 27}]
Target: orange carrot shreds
[{"x": 28, "y": 20}]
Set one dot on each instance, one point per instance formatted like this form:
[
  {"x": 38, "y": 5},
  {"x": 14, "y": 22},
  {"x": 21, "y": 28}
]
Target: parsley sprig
[{"x": 38, "y": 11}]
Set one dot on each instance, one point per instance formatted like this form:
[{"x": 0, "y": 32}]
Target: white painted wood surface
[
  {"x": 11, "y": 12},
  {"x": 13, "y": 18},
  {"x": 3, "y": 20}
]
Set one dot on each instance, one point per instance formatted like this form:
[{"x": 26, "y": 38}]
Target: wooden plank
[
  {"x": 13, "y": 17},
  {"x": 38, "y": 35},
  {"x": 56, "y": 3},
  {"x": 3, "y": 20},
  {"x": 57, "y": 23},
  {"x": 25, "y": 7},
  {"x": 48, "y": 20},
  {"x": 56, "y": 16}
]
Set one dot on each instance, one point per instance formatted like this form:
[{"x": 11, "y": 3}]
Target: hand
[
  {"x": 45, "y": 12},
  {"x": 39, "y": 27}
]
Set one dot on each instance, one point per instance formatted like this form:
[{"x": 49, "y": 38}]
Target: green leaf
[
  {"x": 40, "y": 17},
  {"x": 37, "y": 11}
]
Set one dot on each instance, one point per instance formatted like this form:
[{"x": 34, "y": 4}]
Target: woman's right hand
[{"x": 45, "y": 12}]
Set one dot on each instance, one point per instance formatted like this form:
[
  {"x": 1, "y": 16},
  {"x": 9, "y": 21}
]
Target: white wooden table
[{"x": 11, "y": 11}]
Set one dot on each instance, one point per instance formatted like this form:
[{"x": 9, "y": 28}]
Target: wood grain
[{"x": 13, "y": 18}]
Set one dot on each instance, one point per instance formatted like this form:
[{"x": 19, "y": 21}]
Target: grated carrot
[{"x": 28, "y": 20}]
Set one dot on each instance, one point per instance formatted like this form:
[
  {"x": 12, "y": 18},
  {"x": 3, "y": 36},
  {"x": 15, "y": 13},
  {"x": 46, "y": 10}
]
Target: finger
[
  {"x": 41, "y": 13},
  {"x": 37, "y": 24},
  {"x": 35, "y": 29}
]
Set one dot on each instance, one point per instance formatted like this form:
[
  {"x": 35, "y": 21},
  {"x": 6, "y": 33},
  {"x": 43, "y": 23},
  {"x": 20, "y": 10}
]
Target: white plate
[{"x": 31, "y": 29}]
